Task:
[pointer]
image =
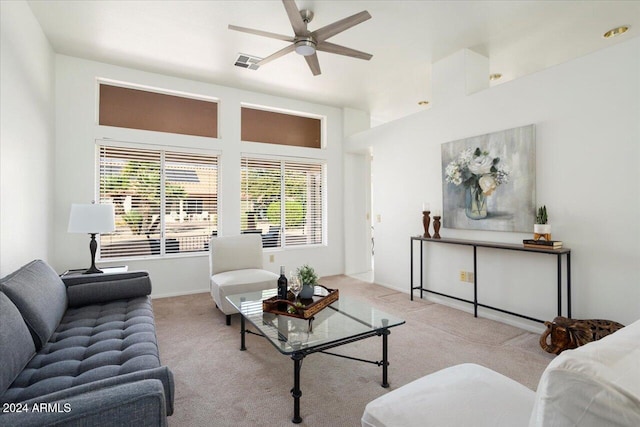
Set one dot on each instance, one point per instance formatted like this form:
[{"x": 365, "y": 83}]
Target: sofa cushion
[
  {"x": 16, "y": 344},
  {"x": 92, "y": 343},
  {"x": 597, "y": 384},
  {"x": 101, "y": 291},
  {"x": 238, "y": 282},
  {"x": 41, "y": 297}
]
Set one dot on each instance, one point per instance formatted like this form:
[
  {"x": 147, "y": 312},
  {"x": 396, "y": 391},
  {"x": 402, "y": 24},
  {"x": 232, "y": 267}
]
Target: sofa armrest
[
  {"x": 161, "y": 373},
  {"x": 100, "y": 288},
  {"x": 140, "y": 403}
]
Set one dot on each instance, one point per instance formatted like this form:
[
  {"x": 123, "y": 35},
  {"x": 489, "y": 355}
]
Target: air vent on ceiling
[{"x": 247, "y": 61}]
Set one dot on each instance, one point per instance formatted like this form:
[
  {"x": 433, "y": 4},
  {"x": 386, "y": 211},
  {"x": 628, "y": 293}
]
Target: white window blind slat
[
  {"x": 191, "y": 200},
  {"x": 165, "y": 202},
  {"x": 300, "y": 219}
]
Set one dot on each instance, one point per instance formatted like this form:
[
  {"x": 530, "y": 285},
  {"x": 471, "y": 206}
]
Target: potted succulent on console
[
  {"x": 309, "y": 279},
  {"x": 541, "y": 228}
]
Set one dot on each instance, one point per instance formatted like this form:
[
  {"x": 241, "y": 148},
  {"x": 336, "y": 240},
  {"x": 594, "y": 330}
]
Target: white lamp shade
[{"x": 91, "y": 219}]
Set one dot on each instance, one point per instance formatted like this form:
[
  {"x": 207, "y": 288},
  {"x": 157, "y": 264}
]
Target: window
[
  {"x": 279, "y": 128},
  {"x": 165, "y": 201},
  {"x": 265, "y": 184}
]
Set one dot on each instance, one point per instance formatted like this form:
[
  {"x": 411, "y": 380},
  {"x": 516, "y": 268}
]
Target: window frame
[{"x": 163, "y": 149}]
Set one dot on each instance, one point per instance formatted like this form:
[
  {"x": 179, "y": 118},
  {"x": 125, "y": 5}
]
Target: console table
[{"x": 506, "y": 246}]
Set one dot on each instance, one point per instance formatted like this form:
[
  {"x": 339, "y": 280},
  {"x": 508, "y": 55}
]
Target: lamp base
[
  {"x": 93, "y": 245},
  {"x": 93, "y": 269}
]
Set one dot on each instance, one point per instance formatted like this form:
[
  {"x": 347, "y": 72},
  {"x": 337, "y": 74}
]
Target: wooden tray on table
[{"x": 322, "y": 298}]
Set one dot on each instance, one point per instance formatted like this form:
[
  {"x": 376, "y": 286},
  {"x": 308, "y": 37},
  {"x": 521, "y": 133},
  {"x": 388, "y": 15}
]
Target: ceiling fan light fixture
[{"x": 305, "y": 47}]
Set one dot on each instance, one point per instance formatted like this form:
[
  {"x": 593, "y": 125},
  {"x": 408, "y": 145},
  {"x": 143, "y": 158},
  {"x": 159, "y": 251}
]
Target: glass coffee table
[{"x": 345, "y": 321}]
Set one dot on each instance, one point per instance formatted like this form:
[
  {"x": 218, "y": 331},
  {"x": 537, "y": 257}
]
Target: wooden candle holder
[
  {"x": 436, "y": 226},
  {"x": 426, "y": 219}
]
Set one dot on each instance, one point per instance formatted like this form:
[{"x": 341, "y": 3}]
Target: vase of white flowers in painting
[{"x": 481, "y": 174}]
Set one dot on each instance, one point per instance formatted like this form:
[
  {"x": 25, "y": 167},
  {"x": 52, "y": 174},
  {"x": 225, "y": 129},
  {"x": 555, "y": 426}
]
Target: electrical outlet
[
  {"x": 272, "y": 258},
  {"x": 466, "y": 276}
]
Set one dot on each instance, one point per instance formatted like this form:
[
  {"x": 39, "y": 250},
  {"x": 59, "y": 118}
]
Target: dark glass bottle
[{"x": 282, "y": 284}]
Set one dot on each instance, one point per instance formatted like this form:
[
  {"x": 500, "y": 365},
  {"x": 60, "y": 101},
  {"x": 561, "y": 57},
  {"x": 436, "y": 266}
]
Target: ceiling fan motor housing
[{"x": 307, "y": 15}]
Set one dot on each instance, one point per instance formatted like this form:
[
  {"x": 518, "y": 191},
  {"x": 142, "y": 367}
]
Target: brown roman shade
[
  {"x": 280, "y": 128},
  {"x": 140, "y": 109}
]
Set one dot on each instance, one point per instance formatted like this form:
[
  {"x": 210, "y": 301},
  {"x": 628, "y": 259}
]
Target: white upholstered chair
[
  {"x": 236, "y": 266},
  {"x": 595, "y": 385}
]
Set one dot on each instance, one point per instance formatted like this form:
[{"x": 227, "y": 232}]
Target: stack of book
[{"x": 542, "y": 244}]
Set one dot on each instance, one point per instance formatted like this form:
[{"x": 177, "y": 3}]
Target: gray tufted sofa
[{"x": 80, "y": 352}]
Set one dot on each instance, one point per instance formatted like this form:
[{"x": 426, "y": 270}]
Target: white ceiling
[{"x": 190, "y": 39}]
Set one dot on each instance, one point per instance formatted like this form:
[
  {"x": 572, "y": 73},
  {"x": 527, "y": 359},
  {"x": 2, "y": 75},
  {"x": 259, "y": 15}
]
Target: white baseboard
[
  {"x": 178, "y": 294},
  {"x": 509, "y": 320},
  {"x": 468, "y": 308},
  {"x": 527, "y": 325}
]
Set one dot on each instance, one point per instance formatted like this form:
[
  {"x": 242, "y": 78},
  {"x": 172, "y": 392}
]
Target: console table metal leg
[
  {"x": 475, "y": 283},
  {"x": 295, "y": 391},
  {"x": 559, "y": 285},
  {"x": 421, "y": 264},
  {"x": 569, "y": 285},
  {"x": 411, "y": 285},
  {"x": 385, "y": 358}
]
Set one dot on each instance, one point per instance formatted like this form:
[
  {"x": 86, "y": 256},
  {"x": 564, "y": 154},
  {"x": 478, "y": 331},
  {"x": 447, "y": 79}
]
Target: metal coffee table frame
[{"x": 298, "y": 354}]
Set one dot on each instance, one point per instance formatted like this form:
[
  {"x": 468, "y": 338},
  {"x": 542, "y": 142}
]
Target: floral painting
[{"x": 489, "y": 181}]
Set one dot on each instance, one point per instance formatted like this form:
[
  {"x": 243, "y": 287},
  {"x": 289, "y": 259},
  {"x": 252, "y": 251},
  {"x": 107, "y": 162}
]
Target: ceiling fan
[{"x": 305, "y": 42}]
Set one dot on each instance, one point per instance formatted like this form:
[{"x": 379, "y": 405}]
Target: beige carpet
[{"x": 218, "y": 385}]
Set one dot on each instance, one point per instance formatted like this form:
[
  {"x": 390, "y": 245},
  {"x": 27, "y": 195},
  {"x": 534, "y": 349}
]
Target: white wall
[
  {"x": 27, "y": 138},
  {"x": 587, "y": 118},
  {"x": 77, "y": 131},
  {"x": 357, "y": 196},
  {"x": 357, "y": 206}
]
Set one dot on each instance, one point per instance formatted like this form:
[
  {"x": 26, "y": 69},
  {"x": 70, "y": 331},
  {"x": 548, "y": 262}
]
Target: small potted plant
[
  {"x": 309, "y": 279},
  {"x": 541, "y": 227}
]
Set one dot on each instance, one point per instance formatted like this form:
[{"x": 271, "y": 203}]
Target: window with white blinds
[
  {"x": 165, "y": 202},
  {"x": 265, "y": 184}
]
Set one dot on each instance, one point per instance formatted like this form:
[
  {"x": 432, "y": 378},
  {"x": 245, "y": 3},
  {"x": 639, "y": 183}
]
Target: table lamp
[{"x": 92, "y": 219}]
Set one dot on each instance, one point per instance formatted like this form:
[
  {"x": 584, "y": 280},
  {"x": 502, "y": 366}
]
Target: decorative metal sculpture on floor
[{"x": 571, "y": 333}]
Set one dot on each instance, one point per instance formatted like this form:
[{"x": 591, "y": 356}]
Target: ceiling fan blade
[
  {"x": 298, "y": 25},
  {"x": 341, "y": 50},
  {"x": 277, "y": 55},
  {"x": 312, "y": 61},
  {"x": 339, "y": 26},
  {"x": 261, "y": 33}
]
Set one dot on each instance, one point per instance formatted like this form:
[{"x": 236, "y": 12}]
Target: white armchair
[
  {"x": 236, "y": 266},
  {"x": 595, "y": 385}
]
